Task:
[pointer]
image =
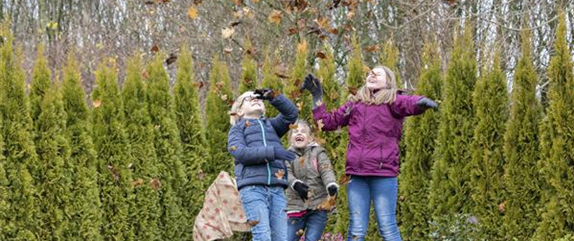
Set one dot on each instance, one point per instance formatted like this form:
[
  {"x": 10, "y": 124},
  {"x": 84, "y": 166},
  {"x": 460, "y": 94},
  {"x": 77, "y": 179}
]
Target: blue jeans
[
  {"x": 313, "y": 223},
  {"x": 265, "y": 204},
  {"x": 382, "y": 191}
]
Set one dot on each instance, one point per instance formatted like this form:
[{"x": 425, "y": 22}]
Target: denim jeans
[
  {"x": 382, "y": 191},
  {"x": 265, "y": 204},
  {"x": 313, "y": 223}
]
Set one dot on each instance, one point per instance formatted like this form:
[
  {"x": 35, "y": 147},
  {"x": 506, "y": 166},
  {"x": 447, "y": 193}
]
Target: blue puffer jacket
[{"x": 252, "y": 143}]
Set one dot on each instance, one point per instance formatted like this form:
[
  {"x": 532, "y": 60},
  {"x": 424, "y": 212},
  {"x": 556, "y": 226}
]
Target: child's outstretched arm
[
  {"x": 330, "y": 121},
  {"x": 244, "y": 154},
  {"x": 407, "y": 105},
  {"x": 327, "y": 174},
  {"x": 288, "y": 112}
]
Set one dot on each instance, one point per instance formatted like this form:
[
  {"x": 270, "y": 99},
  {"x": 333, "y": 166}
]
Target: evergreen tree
[
  {"x": 332, "y": 100},
  {"x": 248, "y": 71},
  {"x": 301, "y": 98},
  {"x": 218, "y": 102},
  {"x": 20, "y": 219},
  {"x": 114, "y": 155},
  {"x": 270, "y": 80},
  {"x": 40, "y": 83},
  {"x": 145, "y": 217},
  {"x": 4, "y": 188},
  {"x": 558, "y": 216},
  {"x": 490, "y": 102},
  {"x": 169, "y": 152},
  {"x": 192, "y": 134},
  {"x": 390, "y": 58},
  {"x": 521, "y": 151},
  {"x": 420, "y": 135},
  {"x": 86, "y": 205},
  {"x": 56, "y": 173},
  {"x": 450, "y": 192}
]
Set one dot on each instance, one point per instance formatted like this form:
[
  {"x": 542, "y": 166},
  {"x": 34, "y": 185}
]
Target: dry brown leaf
[
  {"x": 333, "y": 95},
  {"x": 238, "y": 2},
  {"x": 372, "y": 48},
  {"x": 353, "y": 90},
  {"x": 293, "y": 126},
  {"x": 322, "y": 22},
  {"x": 224, "y": 97},
  {"x": 320, "y": 125},
  {"x": 227, "y": 50},
  {"x": 97, "y": 103},
  {"x": 321, "y": 55},
  {"x": 156, "y": 127},
  {"x": 350, "y": 14},
  {"x": 247, "y": 124},
  {"x": 302, "y": 47},
  {"x": 293, "y": 31},
  {"x": 198, "y": 84},
  {"x": 333, "y": 31},
  {"x": 138, "y": 182},
  {"x": 192, "y": 12},
  {"x": 320, "y": 141},
  {"x": 344, "y": 180},
  {"x": 233, "y": 148},
  {"x": 145, "y": 74},
  {"x": 227, "y": 32},
  {"x": 329, "y": 204},
  {"x": 171, "y": 59},
  {"x": 155, "y": 184},
  {"x": 155, "y": 48},
  {"x": 275, "y": 17},
  {"x": 301, "y": 161},
  {"x": 502, "y": 207},
  {"x": 197, "y": 2},
  {"x": 280, "y": 174}
]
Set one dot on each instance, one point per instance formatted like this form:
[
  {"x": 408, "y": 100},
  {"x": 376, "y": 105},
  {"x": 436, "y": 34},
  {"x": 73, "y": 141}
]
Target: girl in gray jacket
[{"x": 312, "y": 185}]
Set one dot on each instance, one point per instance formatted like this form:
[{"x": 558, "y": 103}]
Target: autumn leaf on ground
[
  {"x": 155, "y": 184},
  {"x": 280, "y": 174},
  {"x": 192, "y": 12},
  {"x": 227, "y": 32},
  {"x": 275, "y": 17},
  {"x": 344, "y": 180},
  {"x": 97, "y": 103}
]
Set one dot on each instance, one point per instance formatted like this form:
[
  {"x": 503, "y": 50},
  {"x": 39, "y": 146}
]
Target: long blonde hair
[{"x": 386, "y": 95}]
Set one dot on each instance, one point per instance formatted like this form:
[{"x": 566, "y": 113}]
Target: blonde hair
[
  {"x": 300, "y": 122},
  {"x": 386, "y": 95},
  {"x": 234, "y": 116}
]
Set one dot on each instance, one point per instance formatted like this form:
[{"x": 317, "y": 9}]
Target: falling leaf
[
  {"x": 299, "y": 106},
  {"x": 372, "y": 48},
  {"x": 328, "y": 204},
  {"x": 350, "y": 14},
  {"x": 320, "y": 141},
  {"x": 145, "y": 74},
  {"x": 219, "y": 84},
  {"x": 138, "y": 182},
  {"x": 198, "y": 84},
  {"x": 333, "y": 31},
  {"x": 366, "y": 69},
  {"x": 238, "y": 2},
  {"x": 301, "y": 161},
  {"x": 252, "y": 223},
  {"x": 255, "y": 1},
  {"x": 301, "y": 23},
  {"x": 247, "y": 124},
  {"x": 157, "y": 127},
  {"x": 450, "y": 2},
  {"x": 97, "y": 103},
  {"x": 149, "y": 2},
  {"x": 155, "y": 184},
  {"x": 293, "y": 126},
  {"x": 197, "y": 2},
  {"x": 171, "y": 59},
  {"x": 280, "y": 174},
  {"x": 228, "y": 50},
  {"x": 300, "y": 232},
  {"x": 302, "y": 47},
  {"x": 233, "y": 24},
  {"x": 233, "y": 148},
  {"x": 224, "y": 97},
  {"x": 321, "y": 55},
  {"x": 344, "y": 180},
  {"x": 237, "y": 14},
  {"x": 322, "y": 22},
  {"x": 281, "y": 75},
  {"x": 227, "y": 32},
  {"x": 155, "y": 48},
  {"x": 275, "y": 17},
  {"x": 353, "y": 90},
  {"x": 192, "y": 12},
  {"x": 52, "y": 25},
  {"x": 293, "y": 31},
  {"x": 248, "y": 13},
  {"x": 333, "y": 95}
]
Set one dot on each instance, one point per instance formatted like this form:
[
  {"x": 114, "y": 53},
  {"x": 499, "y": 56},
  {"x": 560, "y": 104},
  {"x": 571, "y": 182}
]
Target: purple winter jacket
[{"x": 374, "y": 133}]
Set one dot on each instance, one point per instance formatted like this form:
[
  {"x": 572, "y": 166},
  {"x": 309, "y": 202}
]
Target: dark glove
[
  {"x": 332, "y": 190},
  {"x": 427, "y": 103},
  {"x": 302, "y": 189},
  {"x": 313, "y": 85},
  {"x": 282, "y": 154},
  {"x": 264, "y": 94}
]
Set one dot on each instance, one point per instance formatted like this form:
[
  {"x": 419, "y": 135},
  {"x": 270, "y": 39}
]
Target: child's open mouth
[{"x": 299, "y": 139}]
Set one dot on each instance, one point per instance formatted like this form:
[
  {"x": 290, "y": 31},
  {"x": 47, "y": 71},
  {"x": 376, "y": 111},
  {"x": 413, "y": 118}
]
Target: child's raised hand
[
  {"x": 427, "y": 103},
  {"x": 313, "y": 85},
  {"x": 282, "y": 154},
  {"x": 264, "y": 94},
  {"x": 302, "y": 189}
]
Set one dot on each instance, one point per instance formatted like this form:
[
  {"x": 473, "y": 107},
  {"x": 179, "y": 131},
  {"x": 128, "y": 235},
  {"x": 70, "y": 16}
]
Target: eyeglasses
[{"x": 248, "y": 99}]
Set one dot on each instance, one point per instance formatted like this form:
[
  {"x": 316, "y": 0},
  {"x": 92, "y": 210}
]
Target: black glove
[
  {"x": 427, "y": 103},
  {"x": 332, "y": 190},
  {"x": 282, "y": 154},
  {"x": 313, "y": 85},
  {"x": 264, "y": 94},
  {"x": 302, "y": 189}
]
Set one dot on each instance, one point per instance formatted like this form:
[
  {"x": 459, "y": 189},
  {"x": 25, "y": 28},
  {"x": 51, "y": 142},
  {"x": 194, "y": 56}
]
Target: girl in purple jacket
[{"x": 375, "y": 116}]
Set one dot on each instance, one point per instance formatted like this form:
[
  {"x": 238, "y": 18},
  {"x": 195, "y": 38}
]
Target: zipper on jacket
[{"x": 265, "y": 144}]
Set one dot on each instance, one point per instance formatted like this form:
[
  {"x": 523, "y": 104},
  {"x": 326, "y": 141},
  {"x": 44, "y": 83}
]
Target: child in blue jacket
[{"x": 260, "y": 169}]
